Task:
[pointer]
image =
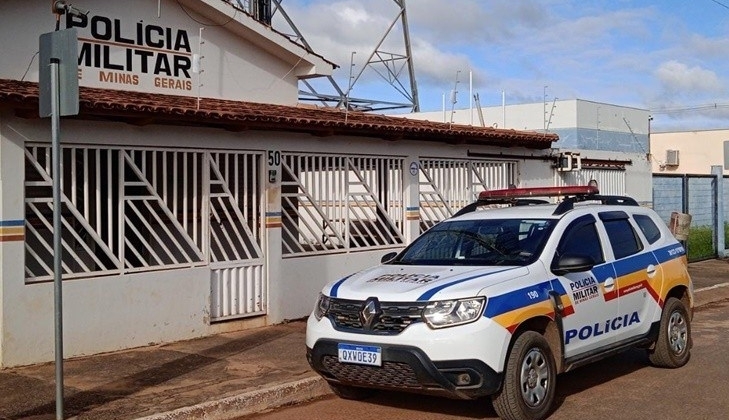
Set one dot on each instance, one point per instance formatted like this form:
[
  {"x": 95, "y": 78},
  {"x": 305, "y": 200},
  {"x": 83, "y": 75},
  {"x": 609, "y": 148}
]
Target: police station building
[{"x": 198, "y": 197}]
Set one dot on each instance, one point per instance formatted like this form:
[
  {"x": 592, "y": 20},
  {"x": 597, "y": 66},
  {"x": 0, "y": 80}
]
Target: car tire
[
  {"x": 673, "y": 346},
  {"x": 348, "y": 392},
  {"x": 527, "y": 392}
]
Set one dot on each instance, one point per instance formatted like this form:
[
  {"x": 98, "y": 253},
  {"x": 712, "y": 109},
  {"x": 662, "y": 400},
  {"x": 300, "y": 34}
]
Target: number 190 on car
[{"x": 361, "y": 355}]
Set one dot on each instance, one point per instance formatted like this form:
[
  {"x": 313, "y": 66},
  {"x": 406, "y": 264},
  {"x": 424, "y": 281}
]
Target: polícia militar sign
[{"x": 139, "y": 54}]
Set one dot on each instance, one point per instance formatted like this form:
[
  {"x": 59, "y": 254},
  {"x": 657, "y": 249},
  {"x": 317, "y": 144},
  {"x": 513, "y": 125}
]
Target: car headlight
[
  {"x": 447, "y": 313},
  {"x": 322, "y": 306}
]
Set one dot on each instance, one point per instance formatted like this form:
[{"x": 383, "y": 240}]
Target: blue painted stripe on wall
[{"x": 12, "y": 222}]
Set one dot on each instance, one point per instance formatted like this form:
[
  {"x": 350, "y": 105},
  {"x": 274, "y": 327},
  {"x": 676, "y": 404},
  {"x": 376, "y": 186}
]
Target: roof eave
[
  {"x": 139, "y": 108},
  {"x": 306, "y": 63}
]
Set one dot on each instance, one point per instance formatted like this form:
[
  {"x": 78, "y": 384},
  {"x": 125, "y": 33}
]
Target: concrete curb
[
  {"x": 711, "y": 294},
  {"x": 315, "y": 387},
  {"x": 251, "y": 402}
]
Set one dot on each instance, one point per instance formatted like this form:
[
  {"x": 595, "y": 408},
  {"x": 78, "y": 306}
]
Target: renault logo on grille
[{"x": 369, "y": 313}]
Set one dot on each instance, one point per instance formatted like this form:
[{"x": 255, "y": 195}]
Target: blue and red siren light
[{"x": 539, "y": 192}]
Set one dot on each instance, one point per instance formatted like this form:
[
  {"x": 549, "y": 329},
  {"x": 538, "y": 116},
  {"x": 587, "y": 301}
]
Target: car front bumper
[{"x": 406, "y": 368}]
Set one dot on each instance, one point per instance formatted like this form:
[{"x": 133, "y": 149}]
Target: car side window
[
  {"x": 623, "y": 238},
  {"x": 581, "y": 238},
  {"x": 648, "y": 227}
]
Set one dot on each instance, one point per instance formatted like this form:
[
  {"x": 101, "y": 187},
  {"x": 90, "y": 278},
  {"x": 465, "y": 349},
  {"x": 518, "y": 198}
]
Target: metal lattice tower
[{"x": 394, "y": 67}]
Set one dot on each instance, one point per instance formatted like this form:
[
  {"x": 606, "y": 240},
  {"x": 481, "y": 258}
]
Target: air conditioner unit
[
  {"x": 671, "y": 157},
  {"x": 569, "y": 162},
  {"x": 564, "y": 163}
]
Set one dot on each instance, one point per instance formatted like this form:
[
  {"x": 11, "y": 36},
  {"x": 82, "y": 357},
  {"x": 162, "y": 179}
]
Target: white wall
[
  {"x": 697, "y": 151},
  {"x": 11, "y": 209},
  {"x": 105, "y": 313},
  {"x": 232, "y": 67},
  {"x": 303, "y": 278}
]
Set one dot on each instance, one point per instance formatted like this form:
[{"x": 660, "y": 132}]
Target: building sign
[{"x": 138, "y": 56}]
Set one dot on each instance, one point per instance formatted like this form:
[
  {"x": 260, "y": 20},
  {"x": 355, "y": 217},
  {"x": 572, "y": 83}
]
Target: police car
[{"x": 502, "y": 297}]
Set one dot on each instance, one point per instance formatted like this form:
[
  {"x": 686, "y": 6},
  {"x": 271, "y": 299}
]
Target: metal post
[
  {"x": 57, "y": 205},
  {"x": 718, "y": 172},
  {"x": 685, "y": 203},
  {"x": 349, "y": 87}
]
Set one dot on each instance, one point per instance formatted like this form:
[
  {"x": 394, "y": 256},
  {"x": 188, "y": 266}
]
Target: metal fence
[{"x": 697, "y": 195}]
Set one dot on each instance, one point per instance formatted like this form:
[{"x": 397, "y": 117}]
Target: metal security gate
[
  {"x": 138, "y": 210},
  {"x": 446, "y": 186},
  {"x": 238, "y": 281}
]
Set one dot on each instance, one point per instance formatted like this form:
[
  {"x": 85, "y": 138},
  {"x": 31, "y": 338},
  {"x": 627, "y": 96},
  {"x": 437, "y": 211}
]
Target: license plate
[{"x": 360, "y": 355}]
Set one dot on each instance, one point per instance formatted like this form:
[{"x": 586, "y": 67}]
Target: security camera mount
[{"x": 61, "y": 7}]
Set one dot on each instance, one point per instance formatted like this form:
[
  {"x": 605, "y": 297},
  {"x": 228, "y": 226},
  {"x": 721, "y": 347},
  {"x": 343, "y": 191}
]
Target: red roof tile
[{"x": 152, "y": 108}]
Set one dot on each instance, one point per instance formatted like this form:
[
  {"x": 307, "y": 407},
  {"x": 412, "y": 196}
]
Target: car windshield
[{"x": 479, "y": 242}]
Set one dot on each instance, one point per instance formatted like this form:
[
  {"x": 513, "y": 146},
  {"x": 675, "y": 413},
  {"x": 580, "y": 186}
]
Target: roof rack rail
[
  {"x": 523, "y": 196},
  {"x": 611, "y": 200}
]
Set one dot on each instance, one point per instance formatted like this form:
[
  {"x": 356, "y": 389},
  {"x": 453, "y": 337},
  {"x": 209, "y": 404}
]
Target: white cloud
[{"x": 678, "y": 78}]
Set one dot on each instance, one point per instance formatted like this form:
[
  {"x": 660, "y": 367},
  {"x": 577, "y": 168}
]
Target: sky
[{"x": 670, "y": 57}]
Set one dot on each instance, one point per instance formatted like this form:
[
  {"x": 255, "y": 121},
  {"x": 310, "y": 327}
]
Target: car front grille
[
  {"x": 393, "y": 318},
  {"x": 389, "y": 375}
]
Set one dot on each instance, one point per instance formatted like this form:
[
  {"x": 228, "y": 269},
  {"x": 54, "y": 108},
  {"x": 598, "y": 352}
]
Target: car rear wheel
[
  {"x": 673, "y": 345},
  {"x": 348, "y": 392},
  {"x": 529, "y": 380}
]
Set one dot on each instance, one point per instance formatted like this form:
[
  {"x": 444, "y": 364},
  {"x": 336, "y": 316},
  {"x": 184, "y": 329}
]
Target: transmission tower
[{"x": 394, "y": 67}]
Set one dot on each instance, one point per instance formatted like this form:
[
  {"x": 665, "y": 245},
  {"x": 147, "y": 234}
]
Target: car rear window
[
  {"x": 623, "y": 239},
  {"x": 648, "y": 227}
]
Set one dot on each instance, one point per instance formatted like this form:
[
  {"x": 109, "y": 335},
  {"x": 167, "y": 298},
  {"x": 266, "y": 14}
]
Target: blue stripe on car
[
  {"x": 602, "y": 272},
  {"x": 335, "y": 288},
  {"x": 429, "y": 294},
  {"x": 670, "y": 252},
  {"x": 517, "y": 299},
  {"x": 557, "y": 287},
  {"x": 629, "y": 265}
]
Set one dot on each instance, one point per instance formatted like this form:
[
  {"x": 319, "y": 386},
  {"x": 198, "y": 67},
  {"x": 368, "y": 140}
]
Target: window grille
[
  {"x": 333, "y": 203},
  {"x": 446, "y": 186}
]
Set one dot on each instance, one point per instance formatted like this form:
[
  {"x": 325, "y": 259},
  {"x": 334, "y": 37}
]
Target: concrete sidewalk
[{"x": 217, "y": 377}]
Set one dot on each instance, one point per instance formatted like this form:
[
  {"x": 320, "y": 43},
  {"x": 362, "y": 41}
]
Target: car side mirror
[
  {"x": 572, "y": 263},
  {"x": 388, "y": 257}
]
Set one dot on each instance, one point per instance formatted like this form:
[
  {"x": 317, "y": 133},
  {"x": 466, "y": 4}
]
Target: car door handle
[
  {"x": 651, "y": 271},
  {"x": 609, "y": 283}
]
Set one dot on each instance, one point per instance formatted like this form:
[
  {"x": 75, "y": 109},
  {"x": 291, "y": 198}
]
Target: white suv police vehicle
[{"x": 499, "y": 301}]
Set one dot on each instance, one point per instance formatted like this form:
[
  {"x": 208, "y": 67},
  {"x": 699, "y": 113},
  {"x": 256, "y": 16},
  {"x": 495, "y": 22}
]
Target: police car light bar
[{"x": 579, "y": 190}]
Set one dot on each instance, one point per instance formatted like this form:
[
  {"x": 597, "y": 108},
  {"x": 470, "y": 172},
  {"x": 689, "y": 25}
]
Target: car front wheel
[
  {"x": 673, "y": 345},
  {"x": 529, "y": 380}
]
